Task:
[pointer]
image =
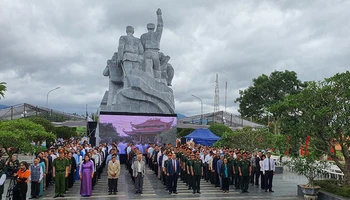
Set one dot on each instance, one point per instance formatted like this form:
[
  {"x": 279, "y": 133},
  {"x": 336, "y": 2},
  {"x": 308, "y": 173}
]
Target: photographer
[
  {"x": 22, "y": 178},
  {"x": 12, "y": 165},
  {"x": 2, "y": 180}
]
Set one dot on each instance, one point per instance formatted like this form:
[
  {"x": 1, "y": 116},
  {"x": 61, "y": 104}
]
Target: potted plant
[{"x": 309, "y": 167}]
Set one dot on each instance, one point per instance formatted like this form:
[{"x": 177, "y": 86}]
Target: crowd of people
[
  {"x": 191, "y": 163},
  {"x": 68, "y": 161}
]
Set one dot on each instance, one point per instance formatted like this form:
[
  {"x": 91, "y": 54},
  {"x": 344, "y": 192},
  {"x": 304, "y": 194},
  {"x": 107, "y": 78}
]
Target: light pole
[
  {"x": 201, "y": 107},
  {"x": 47, "y": 96}
]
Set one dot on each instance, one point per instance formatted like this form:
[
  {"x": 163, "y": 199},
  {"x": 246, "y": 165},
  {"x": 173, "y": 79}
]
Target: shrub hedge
[{"x": 334, "y": 187}]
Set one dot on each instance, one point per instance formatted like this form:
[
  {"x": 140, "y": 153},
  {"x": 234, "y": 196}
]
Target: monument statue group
[{"x": 139, "y": 74}]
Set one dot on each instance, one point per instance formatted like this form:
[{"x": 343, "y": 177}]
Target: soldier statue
[
  {"x": 130, "y": 52},
  {"x": 151, "y": 44}
]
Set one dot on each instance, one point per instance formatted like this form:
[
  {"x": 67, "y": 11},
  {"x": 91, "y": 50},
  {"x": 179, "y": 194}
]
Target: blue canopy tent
[{"x": 203, "y": 137}]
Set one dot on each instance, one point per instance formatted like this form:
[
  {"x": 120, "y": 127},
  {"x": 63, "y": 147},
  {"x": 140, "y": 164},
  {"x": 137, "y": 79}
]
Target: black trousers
[
  {"x": 190, "y": 181},
  {"x": 262, "y": 182},
  {"x": 206, "y": 171},
  {"x": 217, "y": 179},
  {"x": 257, "y": 175},
  {"x": 155, "y": 169},
  {"x": 168, "y": 183},
  {"x": 212, "y": 177},
  {"x": 232, "y": 181},
  {"x": 20, "y": 191},
  {"x": 35, "y": 189},
  {"x": 225, "y": 184},
  {"x": 196, "y": 183},
  {"x": 253, "y": 175},
  {"x": 48, "y": 179},
  {"x": 113, "y": 185},
  {"x": 164, "y": 178},
  {"x": 268, "y": 180},
  {"x": 71, "y": 178},
  {"x": 184, "y": 177},
  {"x": 173, "y": 182},
  {"x": 122, "y": 158},
  {"x": 150, "y": 164}
]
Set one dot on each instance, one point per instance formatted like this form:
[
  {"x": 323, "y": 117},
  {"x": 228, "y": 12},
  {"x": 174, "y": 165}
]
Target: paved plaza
[{"x": 284, "y": 186}]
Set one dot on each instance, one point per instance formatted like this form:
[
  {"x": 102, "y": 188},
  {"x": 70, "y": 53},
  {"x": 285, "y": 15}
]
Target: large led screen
[{"x": 137, "y": 128}]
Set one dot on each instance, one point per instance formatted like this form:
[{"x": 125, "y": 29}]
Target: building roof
[
  {"x": 229, "y": 119},
  {"x": 27, "y": 110}
]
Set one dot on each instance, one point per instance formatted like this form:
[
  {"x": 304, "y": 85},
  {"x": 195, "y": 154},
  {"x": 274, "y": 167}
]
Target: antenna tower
[
  {"x": 225, "y": 95},
  {"x": 216, "y": 98}
]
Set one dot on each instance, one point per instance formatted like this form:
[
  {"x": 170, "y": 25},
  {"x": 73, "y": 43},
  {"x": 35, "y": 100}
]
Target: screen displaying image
[{"x": 137, "y": 128}]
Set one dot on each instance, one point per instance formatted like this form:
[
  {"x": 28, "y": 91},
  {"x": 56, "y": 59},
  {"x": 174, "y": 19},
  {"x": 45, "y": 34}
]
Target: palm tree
[{"x": 2, "y": 89}]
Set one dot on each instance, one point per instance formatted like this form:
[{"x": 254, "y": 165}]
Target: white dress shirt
[
  {"x": 266, "y": 166},
  {"x": 165, "y": 158},
  {"x": 139, "y": 167},
  {"x": 2, "y": 179}
]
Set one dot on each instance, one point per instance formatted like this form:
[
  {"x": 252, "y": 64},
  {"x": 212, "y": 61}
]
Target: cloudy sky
[{"x": 66, "y": 43}]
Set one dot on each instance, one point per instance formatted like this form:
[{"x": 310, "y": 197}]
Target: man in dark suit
[
  {"x": 257, "y": 172},
  {"x": 173, "y": 172}
]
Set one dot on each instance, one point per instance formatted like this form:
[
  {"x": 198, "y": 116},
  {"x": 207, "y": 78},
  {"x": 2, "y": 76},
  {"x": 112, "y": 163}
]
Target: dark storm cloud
[{"x": 45, "y": 44}]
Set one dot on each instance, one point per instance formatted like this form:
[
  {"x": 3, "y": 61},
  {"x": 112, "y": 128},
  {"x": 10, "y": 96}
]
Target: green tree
[
  {"x": 49, "y": 127},
  {"x": 323, "y": 112},
  {"x": 248, "y": 139},
  {"x": 3, "y": 88},
  {"x": 65, "y": 132},
  {"x": 184, "y": 131},
  {"x": 254, "y": 102},
  {"x": 18, "y": 135},
  {"x": 219, "y": 129}
]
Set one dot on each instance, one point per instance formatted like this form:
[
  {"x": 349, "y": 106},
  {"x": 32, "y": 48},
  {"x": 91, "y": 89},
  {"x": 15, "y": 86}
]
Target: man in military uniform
[
  {"x": 60, "y": 173},
  {"x": 189, "y": 172},
  {"x": 236, "y": 177},
  {"x": 197, "y": 173},
  {"x": 245, "y": 170}
]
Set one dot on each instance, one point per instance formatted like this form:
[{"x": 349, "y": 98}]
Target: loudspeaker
[
  {"x": 91, "y": 129},
  {"x": 183, "y": 140},
  {"x": 93, "y": 141}
]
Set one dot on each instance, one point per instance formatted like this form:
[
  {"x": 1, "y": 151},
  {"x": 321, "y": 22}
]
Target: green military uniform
[
  {"x": 245, "y": 170},
  {"x": 60, "y": 172},
  {"x": 197, "y": 168},
  {"x": 236, "y": 177},
  {"x": 189, "y": 174}
]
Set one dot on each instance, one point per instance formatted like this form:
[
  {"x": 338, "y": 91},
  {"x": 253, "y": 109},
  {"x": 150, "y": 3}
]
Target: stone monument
[{"x": 139, "y": 74}]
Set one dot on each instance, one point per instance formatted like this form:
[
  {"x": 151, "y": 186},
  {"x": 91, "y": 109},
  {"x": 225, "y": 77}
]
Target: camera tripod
[{"x": 13, "y": 183}]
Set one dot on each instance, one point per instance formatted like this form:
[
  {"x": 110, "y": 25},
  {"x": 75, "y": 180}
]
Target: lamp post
[
  {"x": 47, "y": 96},
  {"x": 201, "y": 107}
]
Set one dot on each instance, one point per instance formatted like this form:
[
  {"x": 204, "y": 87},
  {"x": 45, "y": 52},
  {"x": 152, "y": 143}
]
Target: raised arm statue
[{"x": 151, "y": 44}]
